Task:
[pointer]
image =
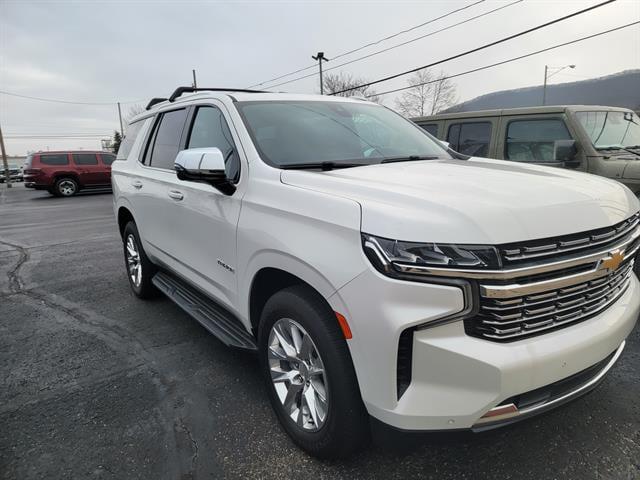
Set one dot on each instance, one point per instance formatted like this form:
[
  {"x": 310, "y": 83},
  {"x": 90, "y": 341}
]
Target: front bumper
[{"x": 456, "y": 379}]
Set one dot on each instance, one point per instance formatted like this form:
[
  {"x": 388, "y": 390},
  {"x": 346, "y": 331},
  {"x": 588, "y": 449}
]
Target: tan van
[{"x": 600, "y": 140}]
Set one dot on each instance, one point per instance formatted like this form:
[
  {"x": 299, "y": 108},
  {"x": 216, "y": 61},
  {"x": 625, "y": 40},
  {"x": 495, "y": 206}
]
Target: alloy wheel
[
  {"x": 298, "y": 374},
  {"x": 67, "y": 188},
  {"x": 133, "y": 261}
]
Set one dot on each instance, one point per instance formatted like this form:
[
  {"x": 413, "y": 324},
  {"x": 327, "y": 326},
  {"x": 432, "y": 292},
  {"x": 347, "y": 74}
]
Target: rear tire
[
  {"x": 65, "y": 187},
  {"x": 140, "y": 270},
  {"x": 295, "y": 323}
]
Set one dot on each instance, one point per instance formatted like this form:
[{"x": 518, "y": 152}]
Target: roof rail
[
  {"x": 180, "y": 90},
  {"x": 155, "y": 101}
]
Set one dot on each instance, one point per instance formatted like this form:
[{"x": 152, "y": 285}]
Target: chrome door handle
[
  {"x": 136, "y": 184},
  {"x": 176, "y": 195}
]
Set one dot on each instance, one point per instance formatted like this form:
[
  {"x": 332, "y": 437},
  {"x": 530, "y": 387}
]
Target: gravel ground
[{"x": 95, "y": 383}]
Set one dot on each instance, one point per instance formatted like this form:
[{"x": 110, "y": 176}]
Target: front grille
[
  {"x": 552, "y": 248},
  {"x": 514, "y": 317}
]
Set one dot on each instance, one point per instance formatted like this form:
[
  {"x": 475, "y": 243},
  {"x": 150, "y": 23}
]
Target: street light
[{"x": 548, "y": 75}]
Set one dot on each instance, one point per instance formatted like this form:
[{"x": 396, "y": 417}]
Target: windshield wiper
[
  {"x": 410, "y": 158},
  {"x": 324, "y": 166}
]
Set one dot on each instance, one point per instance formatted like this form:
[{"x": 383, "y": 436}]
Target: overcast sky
[{"x": 130, "y": 51}]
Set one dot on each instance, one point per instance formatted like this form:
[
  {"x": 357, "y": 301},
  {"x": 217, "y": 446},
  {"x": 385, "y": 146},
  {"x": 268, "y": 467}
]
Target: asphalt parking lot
[{"x": 95, "y": 383}]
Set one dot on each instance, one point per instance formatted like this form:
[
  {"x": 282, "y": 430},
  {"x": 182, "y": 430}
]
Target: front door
[{"x": 204, "y": 220}]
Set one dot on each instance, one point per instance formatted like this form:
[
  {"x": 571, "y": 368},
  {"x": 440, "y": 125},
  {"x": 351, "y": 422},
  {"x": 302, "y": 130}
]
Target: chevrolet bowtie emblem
[{"x": 613, "y": 261}]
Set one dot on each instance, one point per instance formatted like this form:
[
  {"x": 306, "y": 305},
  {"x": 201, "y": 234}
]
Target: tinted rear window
[
  {"x": 54, "y": 159},
  {"x": 167, "y": 139},
  {"x": 470, "y": 138},
  {"x": 85, "y": 159},
  {"x": 431, "y": 128},
  {"x": 130, "y": 136}
]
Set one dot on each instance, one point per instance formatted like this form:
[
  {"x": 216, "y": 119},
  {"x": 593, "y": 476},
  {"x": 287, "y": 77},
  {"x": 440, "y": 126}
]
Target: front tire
[
  {"x": 140, "y": 270},
  {"x": 309, "y": 374}
]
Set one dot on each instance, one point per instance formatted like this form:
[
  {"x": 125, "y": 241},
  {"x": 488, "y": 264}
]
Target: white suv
[{"x": 375, "y": 272}]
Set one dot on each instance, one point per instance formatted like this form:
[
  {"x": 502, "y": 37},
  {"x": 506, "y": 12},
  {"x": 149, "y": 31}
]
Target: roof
[
  {"x": 246, "y": 97},
  {"x": 73, "y": 151},
  {"x": 518, "y": 111}
]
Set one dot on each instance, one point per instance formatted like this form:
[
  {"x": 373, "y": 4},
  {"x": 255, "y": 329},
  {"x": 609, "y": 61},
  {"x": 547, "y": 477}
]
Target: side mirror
[
  {"x": 205, "y": 165},
  {"x": 446, "y": 145},
  {"x": 565, "y": 151}
]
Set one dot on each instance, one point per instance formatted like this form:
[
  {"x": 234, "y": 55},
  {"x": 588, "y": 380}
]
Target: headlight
[{"x": 391, "y": 256}]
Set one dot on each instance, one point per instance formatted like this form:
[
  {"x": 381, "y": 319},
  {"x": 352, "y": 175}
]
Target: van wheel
[
  {"x": 309, "y": 374},
  {"x": 140, "y": 270},
  {"x": 65, "y": 187}
]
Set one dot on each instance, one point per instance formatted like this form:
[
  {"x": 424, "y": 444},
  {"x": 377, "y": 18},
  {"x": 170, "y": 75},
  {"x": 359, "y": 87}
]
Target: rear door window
[
  {"x": 210, "y": 129},
  {"x": 431, "y": 128},
  {"x": 85, "y": 159},
  {"x": 54, "y": 159},
  {"x": 471, "y": 138},
  {"x": 166, "y": 139},
  {"x": 532, "y": 140}
]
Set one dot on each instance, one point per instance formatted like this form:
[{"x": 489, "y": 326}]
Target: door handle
[
  {"x": 136, "y": 184},
  {"x": 176, "y": 195}
]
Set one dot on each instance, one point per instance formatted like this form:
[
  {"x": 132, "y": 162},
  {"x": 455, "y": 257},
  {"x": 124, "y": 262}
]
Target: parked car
[
  {"x": 66, "y": 173},
  {"x": 376, "y": 273},
  {"x": 600, "y": 140},
  {"x": 15, "y": 173}
]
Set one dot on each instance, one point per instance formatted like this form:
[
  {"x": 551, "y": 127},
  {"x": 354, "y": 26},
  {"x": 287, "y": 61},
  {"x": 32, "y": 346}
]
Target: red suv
[{"x": 66, "y": 173}]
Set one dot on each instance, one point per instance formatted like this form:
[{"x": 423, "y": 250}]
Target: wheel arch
[
  {"x": 72, "y": 175},
  {"x": 269, "y": 280},
  {"x": 124, "y": 216}
]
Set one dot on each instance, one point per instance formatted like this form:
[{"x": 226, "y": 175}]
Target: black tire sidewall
[{"x": 346, "y": 427}]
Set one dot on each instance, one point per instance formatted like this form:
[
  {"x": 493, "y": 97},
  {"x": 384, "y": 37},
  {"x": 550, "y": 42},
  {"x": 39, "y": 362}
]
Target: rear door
[
  {"x": 90, "y": 172},
  {"x": 472, "y": 136},
  {"x": 106, "y": 159},
  {"x": 155, "y": 179}
]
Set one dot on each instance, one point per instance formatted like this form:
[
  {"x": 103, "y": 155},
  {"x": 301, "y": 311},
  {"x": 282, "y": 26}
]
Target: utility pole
[
  {"x": 544, "y": 87},
  {"x": 120, "y": 116},
  {"x": 195, "y": 84},
  {"x": 320, "y": 57},
  {"x": 547, "y": 75},
  {"x": 7, "y": 175}
]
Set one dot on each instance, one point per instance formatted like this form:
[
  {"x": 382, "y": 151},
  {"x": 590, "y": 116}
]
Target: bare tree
[
  {"x": 337, "y": 82},
  {"x": 444, "y": 93},
  {"x": 416, "y": 101},
  {"x": 429, "y": 94}
]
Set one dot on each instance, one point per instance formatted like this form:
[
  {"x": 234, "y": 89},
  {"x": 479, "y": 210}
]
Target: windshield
[
  {"x": 611, "y": 129},
  {"x": 314, "y": 132}
]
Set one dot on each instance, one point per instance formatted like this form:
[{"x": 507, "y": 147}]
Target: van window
[
  {"x": 470, "y": 138},
  {"x": 166, "y": 139},
  {"x": 85, "y": 159},
  {"x": 54, "y": 159},
  {"x": 107, "y": 158},
  {"x": 129, "y": 138},
  {"x": 210, "y": 129},
  {"x": 532, "y": 140},
  {"x": 431, "y": 128}
]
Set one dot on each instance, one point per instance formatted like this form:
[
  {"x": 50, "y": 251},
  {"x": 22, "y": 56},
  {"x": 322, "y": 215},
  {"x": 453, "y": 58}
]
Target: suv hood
[{"x": 473, "y": 201}]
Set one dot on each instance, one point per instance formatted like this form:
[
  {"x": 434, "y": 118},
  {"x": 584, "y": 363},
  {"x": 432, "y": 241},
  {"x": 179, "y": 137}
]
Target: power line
[
  {"x": 378, "y": 52},
  {"x": 537, "y": 52},
  {"x": 376, "y": 42},
  {"x": 477, "y": 49},
  {"x": 63, "y": 101}
]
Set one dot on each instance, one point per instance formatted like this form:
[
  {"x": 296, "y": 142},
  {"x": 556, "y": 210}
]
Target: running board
[{"x": 215, "y": 318}]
